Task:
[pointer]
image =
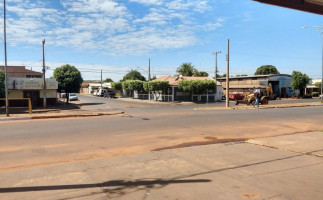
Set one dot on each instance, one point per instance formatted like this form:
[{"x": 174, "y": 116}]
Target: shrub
[{"x": 315, "y": 94}]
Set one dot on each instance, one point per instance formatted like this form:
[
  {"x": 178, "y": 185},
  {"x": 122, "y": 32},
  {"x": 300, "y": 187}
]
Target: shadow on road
[
  {"x": 116, "y": 185},
  {"x": 89, "y": 104}
]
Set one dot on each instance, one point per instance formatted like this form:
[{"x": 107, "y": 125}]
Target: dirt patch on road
[{"x": 210, "y": 140}]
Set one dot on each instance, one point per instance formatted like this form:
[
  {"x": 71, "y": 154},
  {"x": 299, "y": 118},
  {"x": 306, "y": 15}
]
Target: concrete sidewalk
[{"x": 283, "y": 167}]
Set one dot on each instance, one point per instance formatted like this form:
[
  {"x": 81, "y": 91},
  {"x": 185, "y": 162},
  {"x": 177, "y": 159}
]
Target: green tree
[
  {"x": 116, "y": 85},
  {"x": 69, "y": 79},
  {"x": 108, "y": 80},
  {"x": 318, "y": 84},
  {"x": 221, "y": 76},
  {"x": 242, "y": 75},
  {"x": 156, "y": 87},
  {"x": 266, "y": 69},
  {"x": 299, "y": 81},
  {"x": 200, "y": 74},
  {"x": 133, "y": 85},
  {"x": 186, "y": 69},
  {"x": 134, "y": 75},
  {"x": 2, "y": 84},
  {"x": 196, "y": 86}
]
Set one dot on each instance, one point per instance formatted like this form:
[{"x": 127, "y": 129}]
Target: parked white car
[{"x": 73, "y": 97}]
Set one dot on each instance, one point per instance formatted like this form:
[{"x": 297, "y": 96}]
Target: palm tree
[{"x": 186, "y": 69}]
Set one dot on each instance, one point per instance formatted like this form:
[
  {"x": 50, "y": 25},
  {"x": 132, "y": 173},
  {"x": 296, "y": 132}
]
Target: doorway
[{"x": 34, "y": 97}]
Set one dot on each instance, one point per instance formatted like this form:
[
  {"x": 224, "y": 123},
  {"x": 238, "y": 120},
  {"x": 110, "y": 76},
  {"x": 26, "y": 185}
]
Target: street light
[{"x": 320, "y": 29}]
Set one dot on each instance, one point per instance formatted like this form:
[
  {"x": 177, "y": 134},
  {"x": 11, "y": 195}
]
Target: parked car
[
  {"x": 101, "y": 92},
  {"x": 73, "y": 97},
  {"x": 63, "y": 95},
  {"x": 95, "y": 92},
  {"x": 109, "y": 94}
]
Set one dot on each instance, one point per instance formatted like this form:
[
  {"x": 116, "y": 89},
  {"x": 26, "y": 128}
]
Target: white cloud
[
  {"x": 148, "y": 2},
  {"x": 108, "y": 25}
]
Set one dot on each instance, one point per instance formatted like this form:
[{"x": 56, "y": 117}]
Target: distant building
[
  {"x": 21, "y": 72},
  {"x": 281, "y": 84},
  {"x": 91, "y": 87},
  {"x": 311, "y": 87}
]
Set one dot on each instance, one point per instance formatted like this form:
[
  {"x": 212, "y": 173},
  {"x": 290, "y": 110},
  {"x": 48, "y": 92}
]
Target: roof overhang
[{"x": 313, "y": 6}]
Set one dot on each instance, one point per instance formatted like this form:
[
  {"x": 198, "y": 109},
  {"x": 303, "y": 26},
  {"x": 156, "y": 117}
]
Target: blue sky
[{"x": 119, "y": 35}]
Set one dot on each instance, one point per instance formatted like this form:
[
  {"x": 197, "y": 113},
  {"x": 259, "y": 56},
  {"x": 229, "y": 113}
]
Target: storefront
[{"x": 32, "y": 88}]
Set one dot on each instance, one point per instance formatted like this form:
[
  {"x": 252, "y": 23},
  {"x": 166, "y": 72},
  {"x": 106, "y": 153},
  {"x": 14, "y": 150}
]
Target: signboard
[{"x": 31, "y": 84}]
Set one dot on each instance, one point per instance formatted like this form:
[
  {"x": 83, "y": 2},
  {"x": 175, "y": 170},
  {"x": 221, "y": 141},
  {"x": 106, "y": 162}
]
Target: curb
[
  {"x": 13, "y": 118},
  {"x": 60, "y": 116},
  {"x": 260, "y": 107}
]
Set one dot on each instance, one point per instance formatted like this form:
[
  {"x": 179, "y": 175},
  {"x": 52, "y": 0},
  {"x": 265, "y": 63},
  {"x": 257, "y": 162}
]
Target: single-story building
[
  {"x": 91, "y": 87},
  {"x": 281, "y": 84},
  {"x": 311, "y": 87},
  {"x": 25, "y": 83},
  {"x": 32, "y": 88},
  {"x": 175, "y": 94}
]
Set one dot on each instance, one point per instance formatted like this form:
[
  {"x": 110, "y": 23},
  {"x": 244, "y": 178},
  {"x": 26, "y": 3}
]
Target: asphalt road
[{"x": 143, "y": 128}]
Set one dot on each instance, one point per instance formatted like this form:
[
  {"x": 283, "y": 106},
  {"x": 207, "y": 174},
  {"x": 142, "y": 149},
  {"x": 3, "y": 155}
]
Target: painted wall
[
  {"x": 13, "y": 94},
  {"x": 284, "y": 82}
]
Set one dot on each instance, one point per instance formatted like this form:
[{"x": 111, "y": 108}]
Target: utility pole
[
  {"x": 44, "y": 78},
  {"x": 216, "y": 65},
  {"x": 101, "y": 82},
  {"x": 5, "y": 57},
  {"x": 149, "y": 80},
  {"x": 227, "y": 104},
  {"x": 322, "y": 71},
  {"x": 149, "y": 71}
]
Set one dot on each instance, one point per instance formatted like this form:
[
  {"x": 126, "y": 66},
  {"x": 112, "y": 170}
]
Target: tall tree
[
  {"x": 299, "y": 81},
  {"x": 186, "y": 69},
  {"x": 69, "y": 79},
  {"x": 266, "y": 69},
  {"x": 134, "y": 75},
  {"x": 108, "y": 80},
  {"x": 2, "y": 84},
  {"x": 200, "y": 74}
]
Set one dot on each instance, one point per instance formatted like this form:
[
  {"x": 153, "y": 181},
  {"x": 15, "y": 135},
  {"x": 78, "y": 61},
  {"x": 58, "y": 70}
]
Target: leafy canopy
[
  {"x": 134, "y": 75},
  {"x": 108, "y": 80},
  {"x": 200, "y": 74},
  {"x": 2, "y": 84},
  {"x": 197, "y": 86},
  {"x": 187, "y": 69},
  {"x": 266, "y": 69},
  {"x": 116, "y": 85},
  {"x": 156, "y": 86},
  {"x": 133, "y": 85},
  {"x": 69, "y": 78},
  {"x": 299, "y": 81},
  {"x": 318, "y": 84}
]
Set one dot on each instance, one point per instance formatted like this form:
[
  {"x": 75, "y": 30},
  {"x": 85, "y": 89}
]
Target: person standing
[{"x": 257, "y": 95}]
